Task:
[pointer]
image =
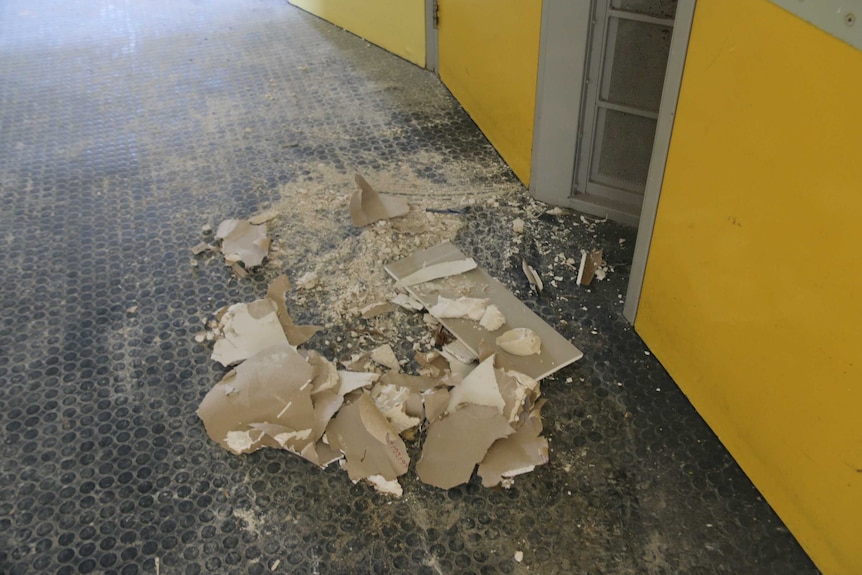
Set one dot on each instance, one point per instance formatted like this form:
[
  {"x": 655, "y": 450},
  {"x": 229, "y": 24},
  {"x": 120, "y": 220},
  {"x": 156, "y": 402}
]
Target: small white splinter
[
  {"x": 518, "y": 226},
  {"x": 308, "y": 281},
  {"x": 390, "y": 487},
  {"x": 493, "y": 319},
  {"x": 392, "y": 401},
  {"x": 463, "y": 307},
  {"x": 532, "y": 276},
  {"x": 519, "y": 556},
  {"x": 520, "y": 341}
]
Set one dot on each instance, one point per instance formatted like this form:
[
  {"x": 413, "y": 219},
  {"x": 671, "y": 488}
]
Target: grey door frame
[
  {"x": 432, "y": 46},
  {"x": 564, "y": 44},
  {"x": 596, "y": 100},
  {"x": 661, "y": 146},
  {"x": 563, "y": 47}
]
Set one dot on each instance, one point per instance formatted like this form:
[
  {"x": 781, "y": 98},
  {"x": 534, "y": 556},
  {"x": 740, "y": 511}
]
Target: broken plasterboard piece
[
  {"x": 532, "y": 277},
  {"x": 296, "y": 334},
  {"x": 556, "y": 353},
  {"x": 353, "y": 380},
  {"x": 457, "y": 442},
  {"x": 432, "y": 363},
  {"x": 461, "y": 359},
  {"x": 458, "y": 369},
  {"x": 385, "y": 356},
  {"x": 479, "y": 387},
  {"x": 322, "y": 454},
  {"x": 463, "y": 307},
  {"x": 408, "y": 302},
  {"x": 435, "y": 402},
  {"x": 520, "y": 392},
  {"x": 516, "y": 454},
  {"x": 392, "y": 401},
  {"x": 520, "y": 341},
  {"x": 246, "y": 330},
  {"x": 460, "y": 351},
  {"x": 375, "y": 309},
  {"x": 359, "y": 362},
  {"x": 370, "y": 444},
  {"x": 591, "y": 263},
  {"x": 367, "y": 206},
  {"x": 325, "y": 373},
  {"x": 436, "y": 271},
  {"x": 243, "y": 242},
  {"x": 415, "y": 383},
  {"x": 268, "y": 389},
  {"x": 326, "y": 404},
  {"x": 239, "y": 270}
]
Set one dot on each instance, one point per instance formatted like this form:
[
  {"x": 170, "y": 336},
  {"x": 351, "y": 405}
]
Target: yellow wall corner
[{"x": 395, "y": 25}]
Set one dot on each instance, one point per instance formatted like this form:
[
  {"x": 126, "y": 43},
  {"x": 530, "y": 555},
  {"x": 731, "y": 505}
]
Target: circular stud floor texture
[{"x": 125, "y": 126}]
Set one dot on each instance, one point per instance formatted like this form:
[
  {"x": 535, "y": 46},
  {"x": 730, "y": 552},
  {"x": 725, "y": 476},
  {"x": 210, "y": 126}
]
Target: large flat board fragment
[
  {"x": 556, "y": 353},
  {"x": 370, "y": 444},
  {"x": 457, "y": 443}
]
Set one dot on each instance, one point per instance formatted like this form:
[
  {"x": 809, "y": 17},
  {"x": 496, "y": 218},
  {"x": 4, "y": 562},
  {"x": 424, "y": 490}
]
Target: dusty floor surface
[{"x": 126, "y": 126}]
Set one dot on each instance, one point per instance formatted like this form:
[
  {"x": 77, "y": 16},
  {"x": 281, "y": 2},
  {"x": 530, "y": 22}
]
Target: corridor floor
[{"x": 126, "y": 126}]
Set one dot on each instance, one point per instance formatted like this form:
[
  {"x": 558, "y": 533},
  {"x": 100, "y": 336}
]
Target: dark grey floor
[{"x": 125, "y": 126}]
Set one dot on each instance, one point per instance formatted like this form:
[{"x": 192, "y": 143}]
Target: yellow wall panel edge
[
  {"x": 489, "y": 59},
  {"x": 752, "y": 297},
  {"x": 395, "y": 25}
]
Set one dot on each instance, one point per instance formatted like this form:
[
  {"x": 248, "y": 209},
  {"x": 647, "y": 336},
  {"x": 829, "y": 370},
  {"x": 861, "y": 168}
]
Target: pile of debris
[{"x": 473, "y": 401}]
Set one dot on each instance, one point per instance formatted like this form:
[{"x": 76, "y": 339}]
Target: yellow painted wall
[
  {"x": 752, "y": 297},
  {"x": 396, "y": 25},
  {"x": 489, "y": 59}
]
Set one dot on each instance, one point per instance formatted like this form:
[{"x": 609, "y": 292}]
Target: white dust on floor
[
  {"x": 314, "y": 234},
  {"x": 251, "y": 522}
]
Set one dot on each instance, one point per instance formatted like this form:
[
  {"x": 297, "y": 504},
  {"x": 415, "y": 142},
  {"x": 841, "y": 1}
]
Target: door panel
[
  {"x": 752, "y": 297},
  {"x": 489, "y": 57}
]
